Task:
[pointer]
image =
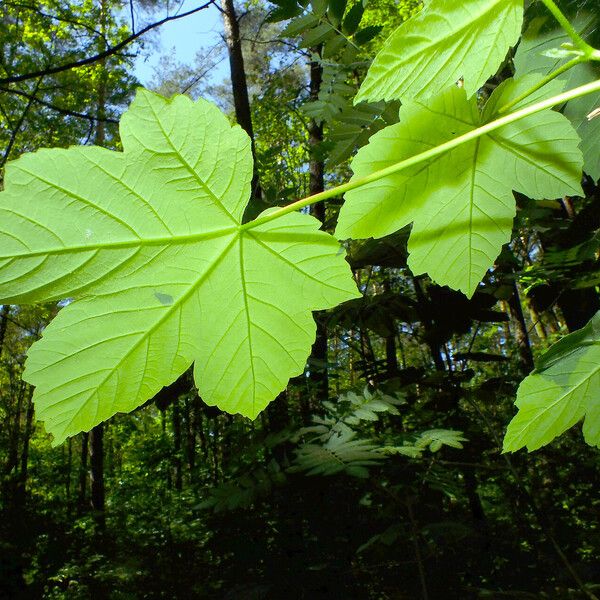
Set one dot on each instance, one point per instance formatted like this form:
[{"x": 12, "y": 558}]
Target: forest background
[{"x": 180, "y": 500}]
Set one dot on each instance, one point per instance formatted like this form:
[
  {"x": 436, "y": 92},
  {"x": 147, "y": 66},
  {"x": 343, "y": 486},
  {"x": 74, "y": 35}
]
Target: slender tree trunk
[
  {"x": 521, "y": 336},
  {"x": 239, "y": 84},
  {"x": 3, "y": 324},
  {"x": 12, "y": 461},
  {"x": 536, "y": 318},
  {"x": 22, "y": 483},
  {"x": 436, "y": 350},
  {"x": 68, "y": 474},
  {"x": 190, "y": 438},
  {"x": 176, "y": 416},
  {"x": 83, "y": 472},
  {"x": 319, "y": 375},
  {"x": 391, "y": 355},
  {"x": 97, "y": 475}
]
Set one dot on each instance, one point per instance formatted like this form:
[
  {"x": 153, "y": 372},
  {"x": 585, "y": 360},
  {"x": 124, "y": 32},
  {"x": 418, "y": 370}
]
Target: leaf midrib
[{"x": 173, "y": 240}]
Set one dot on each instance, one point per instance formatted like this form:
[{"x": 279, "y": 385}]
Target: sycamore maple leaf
[{"x": 149, "y": 244}]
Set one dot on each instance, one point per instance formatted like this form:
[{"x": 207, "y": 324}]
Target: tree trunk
[
  {"x": 526, "y": 362},
  {"x": 22, "y": 483},
  {"x": 83, "y": 472},
  {"x": 97, "y": 475},
  {"x": 319, "y": 376},
  {"x": 239, "y": 84},
  {"x": 3, "y": 324},
  {"x": 391, "y": 355},
  {"x": 176, "y": 416},
  {"x": 190, "y": 438}
]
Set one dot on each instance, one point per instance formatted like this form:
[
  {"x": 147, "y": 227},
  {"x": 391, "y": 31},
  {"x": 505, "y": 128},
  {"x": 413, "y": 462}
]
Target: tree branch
[
  {"x": 58, "y": 109},
  {"x": 17, "y": 128},
  {"x": 102, "y": 55}
]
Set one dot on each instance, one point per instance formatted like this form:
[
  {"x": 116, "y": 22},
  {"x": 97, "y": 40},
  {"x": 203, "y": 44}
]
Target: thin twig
[{"x": 58, "y": 109}]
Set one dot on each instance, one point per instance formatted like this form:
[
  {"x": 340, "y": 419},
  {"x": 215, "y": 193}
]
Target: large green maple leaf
[
  {"x": 562, "y": 390},
  {"x": 461, "y": 203},
  {"x": 150, "y": 245},
  {"x": 447, "y": 40}
]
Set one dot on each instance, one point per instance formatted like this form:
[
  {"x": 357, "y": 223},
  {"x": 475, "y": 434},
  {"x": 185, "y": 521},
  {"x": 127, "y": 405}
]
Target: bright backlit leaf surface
[
  {"x": 148, "y": 245},
  {"x": 563, "y": 389},
  {"x": 461, "y": 203},
  {"x": 447, "y": 40}
]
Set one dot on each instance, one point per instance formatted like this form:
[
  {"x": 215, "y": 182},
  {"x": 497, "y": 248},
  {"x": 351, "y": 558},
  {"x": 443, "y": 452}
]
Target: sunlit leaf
[
  {"x": 446, "y": 41},
  {"x": 562, "y": 390},
  {"x": 461, "y": 203},
  {"x": 149, "y": 244}
]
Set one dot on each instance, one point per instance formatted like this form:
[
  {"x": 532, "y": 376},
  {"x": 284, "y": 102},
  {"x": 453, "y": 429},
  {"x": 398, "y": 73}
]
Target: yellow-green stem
[
  {"x": 570, "y": 30},
  {"x": 541, "y": 83},
  {"x": 337, "y": 191}
]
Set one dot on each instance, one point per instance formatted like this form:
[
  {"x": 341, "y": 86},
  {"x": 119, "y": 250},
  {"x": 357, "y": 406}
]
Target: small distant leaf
[
  {"x": 319, "y": 6},
  {"x": 342, "y": 452},
  {"x": 286, "y": 9},
  {"x": 333, "y": 46},
  {"x": 299, "y": 25},
  {"x": 336, "y": 10},
  {"x": 435, "y": 439},
  {"x": 562, "y": 390},
  {"x": 447, "y": 40},
  {"x": 363, "y": 36},
  {"x": 353, "y": 18},
  {"x": 461, "y": 203},
  {"x": 149, "y": 243},
  {"x": 316, "y": 36}
]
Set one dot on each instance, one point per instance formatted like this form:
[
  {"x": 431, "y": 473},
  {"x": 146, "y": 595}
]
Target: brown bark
[
  {"x": 83, "y": 472},
  {"x": 526, "y": 362},
  {"x": 318, "y": 375},
  {"x": 97, "y": 494},
  {"x": 239, "y": 83}
]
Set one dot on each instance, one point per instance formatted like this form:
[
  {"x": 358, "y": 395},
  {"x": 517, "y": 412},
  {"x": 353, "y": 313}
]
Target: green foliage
[
  {"x": 338, "y": 451},
  {"x": 243, "y": 491},
  {"x": 461, "y": 211},
  {"x": 376, "y": 483},
  {"x": 446, "y": 41},
  {"x": 159, "y": 272},
  {"x": 160, "y": 252},
  {"x": 433, "y": 440},
  {"x": 336, "y": 443},
  {"x": 561, "y": 391}
]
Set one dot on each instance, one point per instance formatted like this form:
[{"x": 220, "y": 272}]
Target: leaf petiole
[
  {"x": 337, "y": 191},
  {"x": 540, "y": 84},
  {"x": 589, "y": 52}
]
